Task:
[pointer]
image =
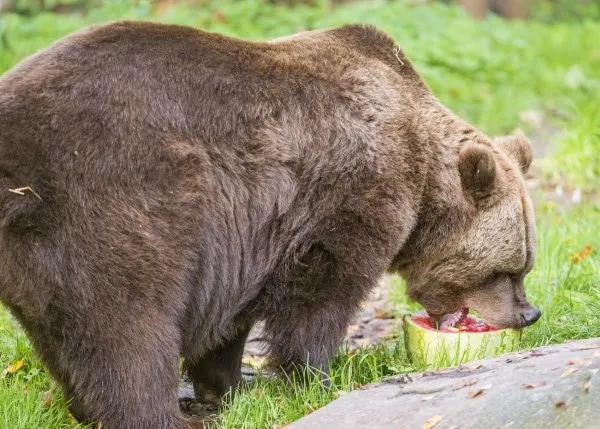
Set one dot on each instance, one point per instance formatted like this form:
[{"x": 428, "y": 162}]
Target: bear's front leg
[
  {"x": 307, "y": 337},
  {"x": 308, "y": 311},
  {"x": 219, "y": 371}
]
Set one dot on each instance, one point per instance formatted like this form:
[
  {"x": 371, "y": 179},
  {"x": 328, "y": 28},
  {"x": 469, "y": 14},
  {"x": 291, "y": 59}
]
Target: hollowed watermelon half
[{"x": 471, "y": 339}]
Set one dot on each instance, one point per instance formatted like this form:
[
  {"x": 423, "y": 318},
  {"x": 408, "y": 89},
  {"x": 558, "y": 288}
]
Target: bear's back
[{"x": 146, "y": 106}]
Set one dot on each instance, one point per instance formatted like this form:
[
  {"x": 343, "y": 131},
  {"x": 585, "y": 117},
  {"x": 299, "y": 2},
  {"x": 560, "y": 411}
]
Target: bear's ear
[
  {"x": 518, "y": 148},
  {"x": 477, "y": 168}
]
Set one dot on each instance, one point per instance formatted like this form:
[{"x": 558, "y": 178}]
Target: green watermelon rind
[{"x": 431, "y": 349}]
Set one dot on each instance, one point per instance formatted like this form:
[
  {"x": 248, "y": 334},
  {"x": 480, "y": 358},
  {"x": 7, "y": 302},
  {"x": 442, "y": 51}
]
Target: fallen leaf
[
  {"x": 568, "y": 372},
  {"x": 464, "y": 383},
  {"x": 507, "y": 425},
  {"x": 578, "y": 257},
  {"x": 431, "y": 422},
  {"x": 428, "y": 397},
  {"x": 580, "y": 362},
  {"x": 352, "y": 329},
  {"x": 13, "y": 367},
  {"x": 587, "y": 386},
  {"x": 381, "y": 314},
  {"x": 587, "y": 347},
  {"x": 72, "y": 420},
  {"x": 219, "y": 16},
  {"x": 254, "y": 361},
  {"x": 162, "y": 6},
  {"x": 47, "y": 398},
  {"x": 363, "y": 342},
  {"x": 535, "y": 384},
  {"x": 475, "y": 393},
  {"x": 486, "y": 387},
  {"x": 476, "y": 366},
  {"x": 560, "y": 404}
]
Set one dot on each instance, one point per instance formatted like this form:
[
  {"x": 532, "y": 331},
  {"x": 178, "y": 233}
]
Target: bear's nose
[{"x": 530, "y": 316}]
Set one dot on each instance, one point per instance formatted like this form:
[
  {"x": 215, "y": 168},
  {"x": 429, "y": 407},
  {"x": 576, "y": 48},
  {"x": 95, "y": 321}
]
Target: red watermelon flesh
[{"x": 469, "y": 324}]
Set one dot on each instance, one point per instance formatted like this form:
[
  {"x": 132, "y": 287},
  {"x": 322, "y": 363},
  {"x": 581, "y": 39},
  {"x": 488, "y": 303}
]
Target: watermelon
[{"x": 469, "y": 340}]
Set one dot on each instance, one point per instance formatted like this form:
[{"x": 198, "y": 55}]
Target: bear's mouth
[{"x": 449, "y": 320}]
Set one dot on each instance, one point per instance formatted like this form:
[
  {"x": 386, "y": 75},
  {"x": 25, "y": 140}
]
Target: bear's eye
[{"x": 500, "y": 276}]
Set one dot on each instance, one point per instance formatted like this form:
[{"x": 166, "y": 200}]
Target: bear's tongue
[{"x": 450, "y": 320}]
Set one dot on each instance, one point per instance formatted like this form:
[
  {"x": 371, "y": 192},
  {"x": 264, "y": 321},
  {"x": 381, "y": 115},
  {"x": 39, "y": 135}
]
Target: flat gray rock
[{"x": 554, "y": 387}]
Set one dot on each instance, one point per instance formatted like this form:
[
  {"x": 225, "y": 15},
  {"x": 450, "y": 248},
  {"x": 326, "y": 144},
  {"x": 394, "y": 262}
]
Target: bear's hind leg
[{"x": 128, "y": 381}]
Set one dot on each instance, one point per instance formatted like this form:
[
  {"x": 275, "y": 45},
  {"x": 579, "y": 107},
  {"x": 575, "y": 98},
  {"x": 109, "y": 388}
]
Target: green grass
[
  {"x": 28, "y": 398},
  {"x": 566, "y": 291},
  {"x": 269, "y": 402},
  {"x": 576, "y": 160},
  {"x": 487, "y": 72}
]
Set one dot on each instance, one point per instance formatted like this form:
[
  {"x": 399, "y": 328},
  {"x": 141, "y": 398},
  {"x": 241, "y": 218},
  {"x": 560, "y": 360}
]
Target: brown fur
[{"x": 191, "y": 184}]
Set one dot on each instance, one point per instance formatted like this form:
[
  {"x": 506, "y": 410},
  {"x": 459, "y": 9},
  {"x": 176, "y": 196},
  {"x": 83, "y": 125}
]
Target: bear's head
[{"x": 476, "y": 243}]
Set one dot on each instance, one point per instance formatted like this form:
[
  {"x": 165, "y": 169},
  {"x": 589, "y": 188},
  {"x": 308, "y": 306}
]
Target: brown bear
[{"x": 163, "y": 188}]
